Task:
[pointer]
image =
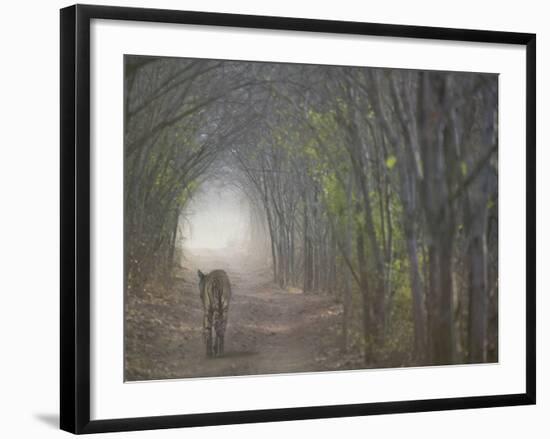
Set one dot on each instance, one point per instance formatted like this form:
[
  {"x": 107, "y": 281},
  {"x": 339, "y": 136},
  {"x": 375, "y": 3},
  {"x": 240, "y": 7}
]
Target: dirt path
[{"x": 269, "y": 330}]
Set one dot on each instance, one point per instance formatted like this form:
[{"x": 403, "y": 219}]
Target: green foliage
[
  {"x": 391, "y": 161},
  {"x": 399, "y": 341},
  {"x": 464, "y": 168}
]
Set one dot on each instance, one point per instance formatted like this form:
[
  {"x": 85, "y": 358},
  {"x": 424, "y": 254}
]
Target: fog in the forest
[{"x": 216, "y": 218}]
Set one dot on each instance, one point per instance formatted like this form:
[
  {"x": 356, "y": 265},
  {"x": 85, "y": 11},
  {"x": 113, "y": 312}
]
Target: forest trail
[{"x": 270, "y": 330}]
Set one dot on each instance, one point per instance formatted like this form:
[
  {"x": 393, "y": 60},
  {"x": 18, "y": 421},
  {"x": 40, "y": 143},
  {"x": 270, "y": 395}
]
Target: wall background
[{"x": 29, "y": 237}]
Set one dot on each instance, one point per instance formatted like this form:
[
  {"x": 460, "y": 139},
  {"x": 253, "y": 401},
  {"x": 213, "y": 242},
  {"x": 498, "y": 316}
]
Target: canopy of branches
[{"x": 376, "y": 185}]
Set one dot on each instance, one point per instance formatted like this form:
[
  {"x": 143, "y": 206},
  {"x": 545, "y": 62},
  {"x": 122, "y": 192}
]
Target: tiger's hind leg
[
  {"x": 219, "y": 327},
  {"x": 218, "y": 341},
  {"x": 207, "y": 333},
  {"x": 218, "y": 344}
]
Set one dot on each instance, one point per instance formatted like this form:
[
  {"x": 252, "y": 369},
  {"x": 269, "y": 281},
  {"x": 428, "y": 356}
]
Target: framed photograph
[{"x": 268, "y": 218}]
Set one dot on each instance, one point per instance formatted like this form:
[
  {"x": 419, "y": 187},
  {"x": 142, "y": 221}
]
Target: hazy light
[{"x": 217, "y": 217}]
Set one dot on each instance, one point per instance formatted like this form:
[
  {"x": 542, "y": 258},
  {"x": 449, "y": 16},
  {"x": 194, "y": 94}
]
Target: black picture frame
[{"x": 75, "y": 217}]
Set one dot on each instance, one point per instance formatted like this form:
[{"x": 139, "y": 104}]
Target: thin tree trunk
[
  {"x": 419, "y": 309},
  {"x": 348, "y": 275}
]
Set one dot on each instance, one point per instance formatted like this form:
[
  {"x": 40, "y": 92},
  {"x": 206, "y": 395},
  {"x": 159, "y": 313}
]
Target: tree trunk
[
  {"x": 419, "y": 309},
  {"x": 347, "y": 316}
]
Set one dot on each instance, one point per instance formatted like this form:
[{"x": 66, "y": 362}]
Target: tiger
[{"x": 215, "y": 293}]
